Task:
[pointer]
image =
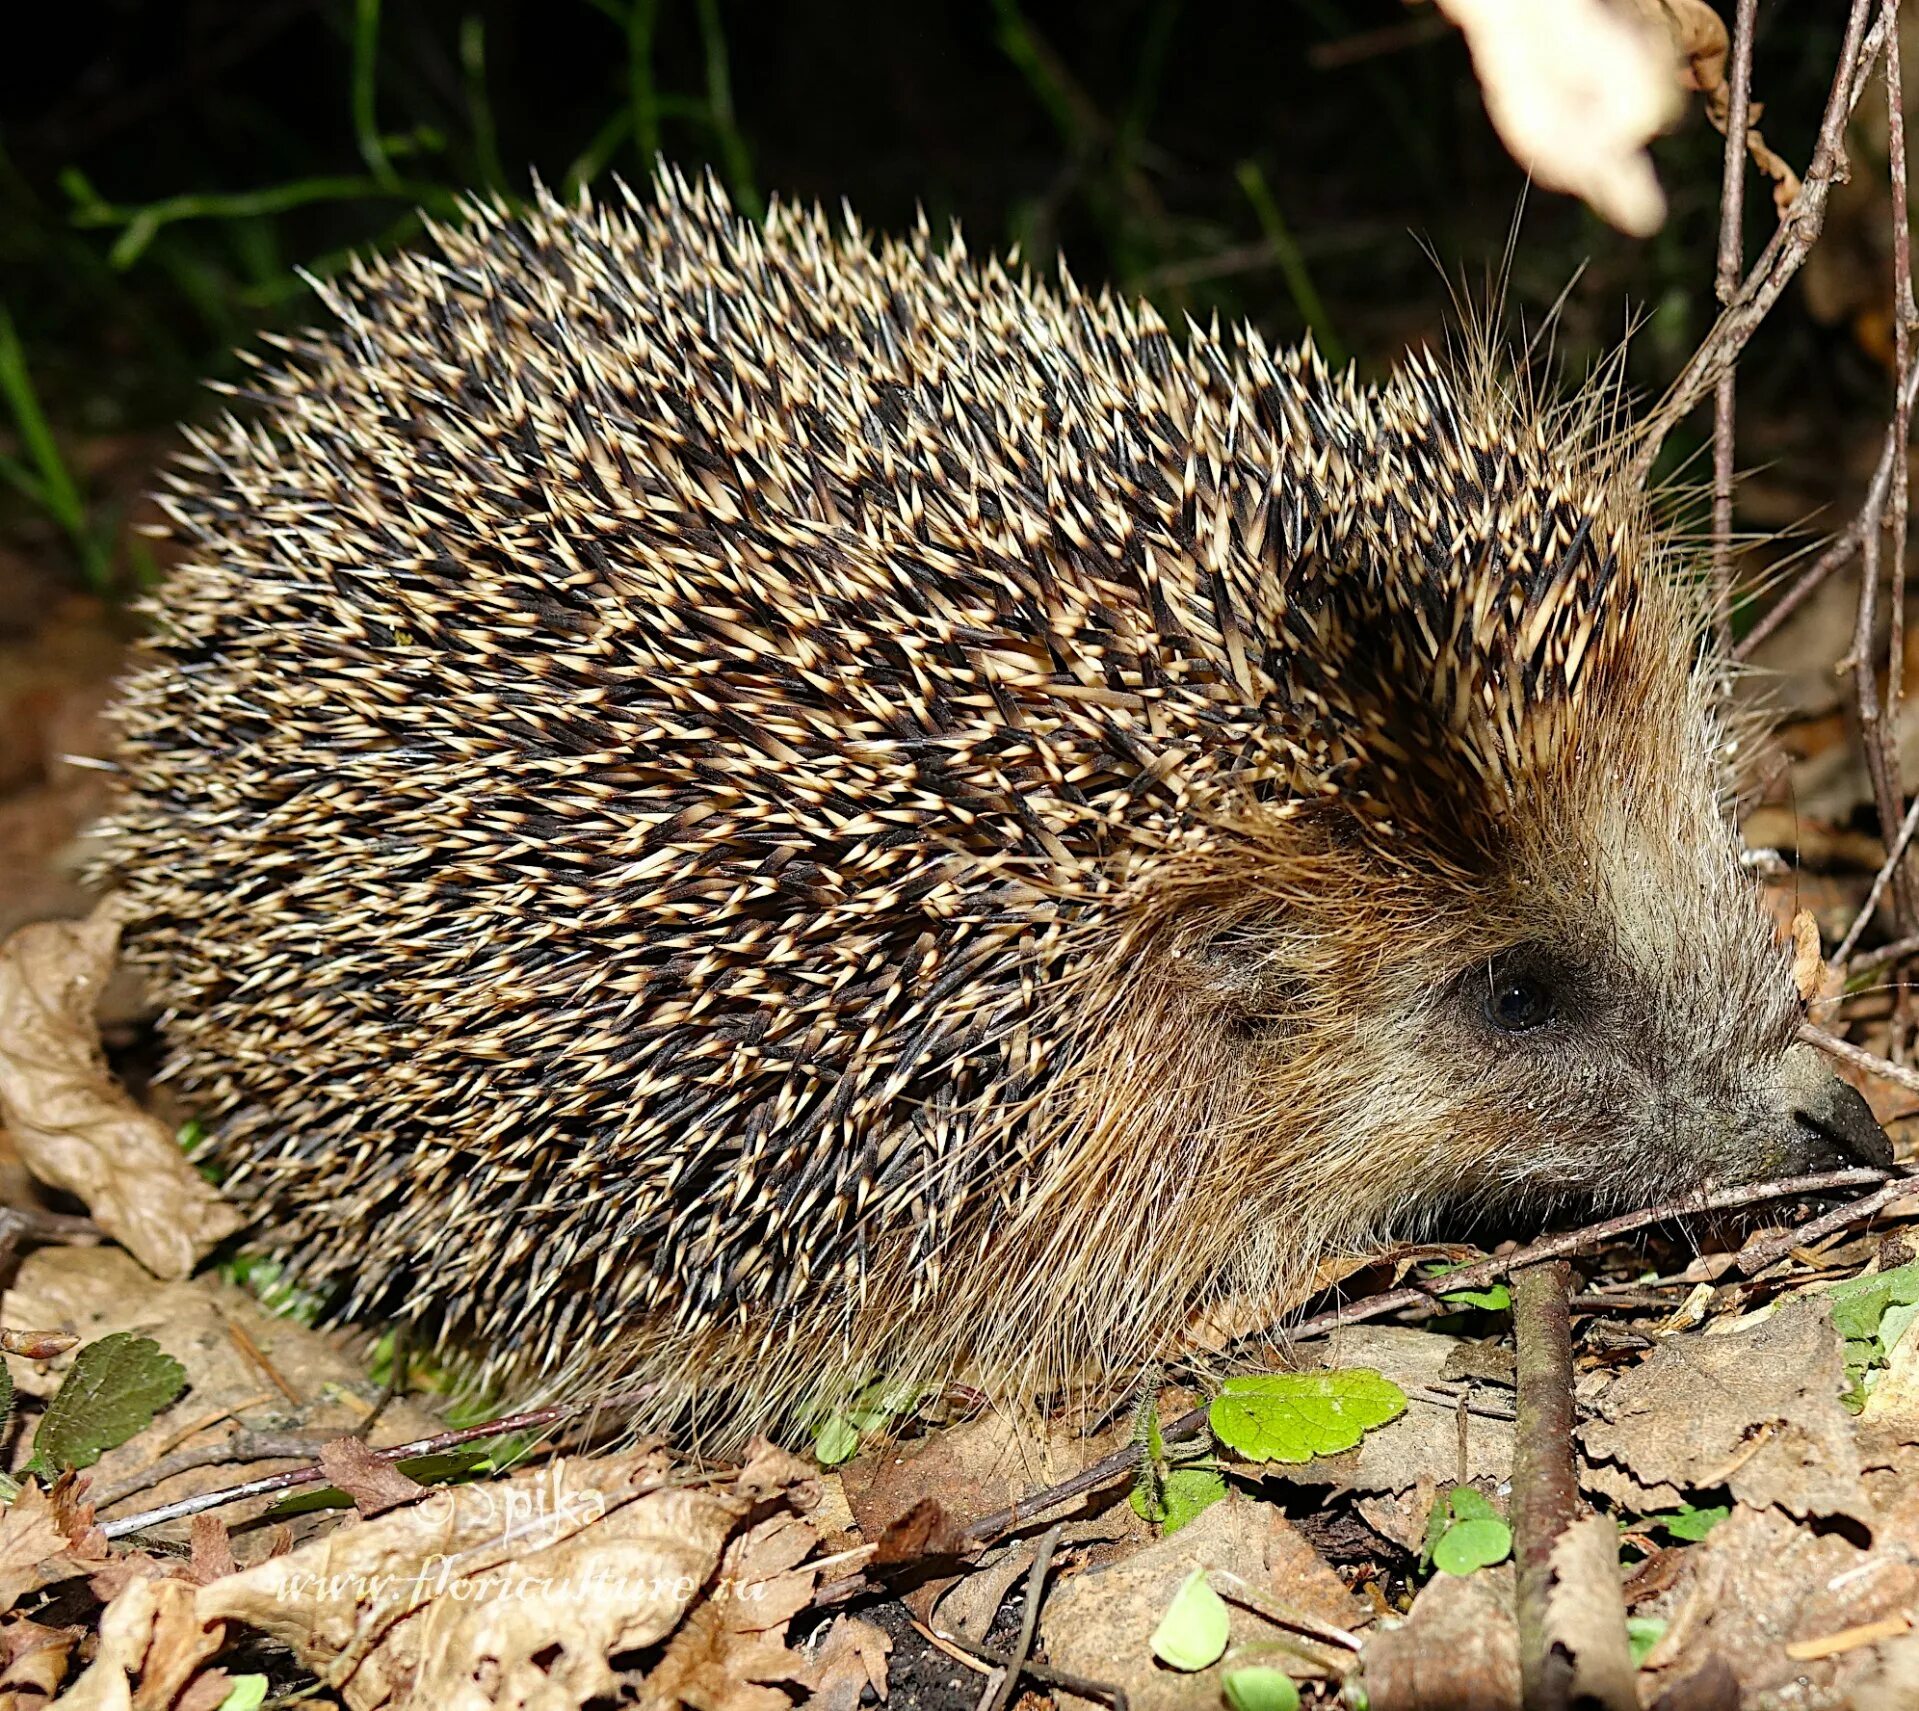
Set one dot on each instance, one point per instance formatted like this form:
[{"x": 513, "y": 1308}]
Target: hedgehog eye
[{"x": 1517, "y": 1003}]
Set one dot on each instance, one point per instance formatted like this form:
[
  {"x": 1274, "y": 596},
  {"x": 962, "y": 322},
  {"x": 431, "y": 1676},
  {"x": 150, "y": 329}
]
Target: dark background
[{"x": 165, "y": 169}]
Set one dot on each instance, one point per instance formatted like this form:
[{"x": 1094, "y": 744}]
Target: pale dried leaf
[
  {"x": 36, "y": 1661},
  {"x": 74, "y": 1125},
  {"x": 1099, "y": 1624},
  {"x": 732, "y": 1648},
  {"x": 29, "y": 1535},
  {"x": 1808, "y": 963},
  {"x": 1586, "y": 1614},
  {"x": 510, "y": 1593},
  {"x": 152, "y": 1643},
  {"x": 1459, "y": 1646},
  {"x": 1576, "y": 89},
  {"x": 1757, "y": 1411}
]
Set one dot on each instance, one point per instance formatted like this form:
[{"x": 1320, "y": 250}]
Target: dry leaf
[
  {"x": 1808, "y": 961},
  {"x": 732, "y": 1647},
  {"x": 1757, "y": 1411},
  {"x": 152, "y": 1643},
  {"x": 36, "y": 1661},
  {"x": 511, "y": 1593},
  {"x": 1099, "y": 1624},
  {"x": 1586, "y": 1615},
  {"x": 1576, "y": 89},
  {"x": 29, "y": 1535},
  {"x": 1458, "y": 1647},
  {"x": 74, "y": 1125},
  {"x": 373, "y": 1482},
  {"x": 850, "y": 1659}
]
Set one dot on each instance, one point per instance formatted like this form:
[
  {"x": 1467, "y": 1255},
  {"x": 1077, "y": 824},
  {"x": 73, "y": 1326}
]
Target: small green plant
[
  {"x": 1872, "y": 1314},
  {"x": 1465, "y": 1532},
  {"x": 1175, "y": 1483},
  {"x": 1295, "y": 1416},
  {"x": 1691, "y": 1523},
  {"x": 114, "y": 1389},
  {"x": 837, "y": 1433},
  {"x": 1642, "y": 1634}
]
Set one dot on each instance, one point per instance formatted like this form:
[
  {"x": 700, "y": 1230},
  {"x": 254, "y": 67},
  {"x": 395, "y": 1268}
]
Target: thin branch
[
  {"x": 1732, "y": 254},
  {"x": 1846, "y": 1052},
  {"x": 314, "y": 1474},
  {"x": 1840, "y": 550},
  {"x": 1880, "y": 880},
  {"x": 1758, "y": 1255},
  {"x": 1545, "y": 1499},
  {"x": 1787, "y": 249}
]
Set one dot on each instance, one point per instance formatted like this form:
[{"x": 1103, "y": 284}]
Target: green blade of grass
[{"x": 57, "y": 493}]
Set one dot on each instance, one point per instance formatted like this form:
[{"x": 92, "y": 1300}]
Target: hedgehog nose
[{"x": 1833, "y": 1116}]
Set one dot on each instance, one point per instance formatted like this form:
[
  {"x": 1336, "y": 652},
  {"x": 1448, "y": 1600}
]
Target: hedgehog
[{"x": 742, "y": 809}]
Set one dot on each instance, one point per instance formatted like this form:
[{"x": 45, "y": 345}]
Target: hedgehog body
[{"x": 757, "y": 807}]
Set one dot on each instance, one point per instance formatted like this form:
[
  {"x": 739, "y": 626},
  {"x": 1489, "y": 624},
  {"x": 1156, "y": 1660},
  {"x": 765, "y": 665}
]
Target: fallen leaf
[
  {"x": 74, "y": 1125},
  {"x": 1585, "y": 1617},
  {"x": 731, "y": 1649},
  {"x": 29, "y": 1534},
  {"x": 1098, "y": 1624},
  {"x": 152, "y": 1643},
  {"x": 373, "y": 1482},
  {"x": 36, "y": 1660},
  {"x": 849, "y": 1660},
  {"x": 925, "y": 1530},
  {"x": 1458, "y": 1647},
  {"x": 1757, "y": 1411},
  {"x": 513, "y": 1591}
]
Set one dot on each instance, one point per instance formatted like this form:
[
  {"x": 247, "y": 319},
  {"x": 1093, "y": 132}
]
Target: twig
[
  {"x": 1872, "y": 960},
  {"x": 1277, "y": 1611},
  {"x": 1879, "y": 882},
  {"x": 1840, "y": 550},
  {"x": 1000, "y": 1695},
  {"x": 314, "y": 1474},
  {"x": 1545, "y": 1497},
  {"x": 1759, "y": 1255},
  {"x": 1732, "y": 247},
  {"x": 1784, "y": 252},
  {"x": 1122, "y": 1461},
  {"x": 1846, "y": 1052},
  {"x": 1086, "y": 1689}
]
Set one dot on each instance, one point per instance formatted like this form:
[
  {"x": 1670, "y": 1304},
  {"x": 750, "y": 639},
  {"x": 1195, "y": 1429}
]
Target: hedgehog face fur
[{"x": 755, "y": 807}]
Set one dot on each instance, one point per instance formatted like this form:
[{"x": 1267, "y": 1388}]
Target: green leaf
[
  {"x": 1294, "y": 1416},
  {"x": 6, "y": 1394},
  {"x": 248, "y": 1693},
  {"x": 1260, "y": 1688},
  {"x": 1495, "y": 1299},
  {"x": 1642, "y": 1634},
  {"x": 114, "y": 1389},
  {"x": 1858, "y": 1306},
  {"x": 1193, "y": 1632},
  {"x": 835, "y": 1441},
  {"x": 1184, "y": 1494},
  {"x": 1465, "y": 1532},
  {"x": 1469, "y": 1545},
  {"x": 1692, "y": 1522}
]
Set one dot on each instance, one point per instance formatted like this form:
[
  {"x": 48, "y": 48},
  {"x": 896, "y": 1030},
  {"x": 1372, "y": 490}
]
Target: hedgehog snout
[{"x": 1829, "y": 1125}]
